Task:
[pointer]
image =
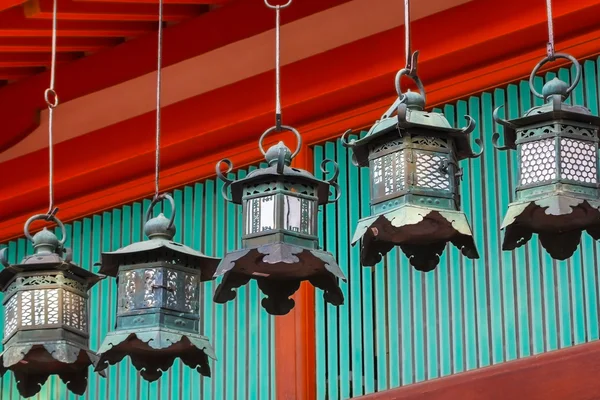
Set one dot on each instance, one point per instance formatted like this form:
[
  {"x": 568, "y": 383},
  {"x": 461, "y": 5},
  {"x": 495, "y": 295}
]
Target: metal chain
[
  {"x": 51, "y": 99},
  {"x": 407, "y": 34},
  {"x": 158, "y": 90},
  {"x": 550, "y": 45}
]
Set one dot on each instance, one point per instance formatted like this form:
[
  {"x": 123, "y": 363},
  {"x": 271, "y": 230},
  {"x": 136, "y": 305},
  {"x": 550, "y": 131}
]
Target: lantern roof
[
  {"x": 47, "y": 255},
  {"x": 160, "y": 234},
  {"x": 279, "y": 170},
  {"x": 411, "y": 116}
]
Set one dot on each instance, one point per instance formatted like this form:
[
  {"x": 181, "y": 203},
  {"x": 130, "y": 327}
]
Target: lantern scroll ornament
[
  {"x": 46, "y": 315},
  {"x": 279, "y": 243},
  {"x": 557, "y": 196},
  {"x": 158, "y": 311},
  {"x": 413, "y": 161}
]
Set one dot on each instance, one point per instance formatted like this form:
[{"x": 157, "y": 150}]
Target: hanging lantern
[
  {"x": 557, "y": 196},
  {"x": 46, "y": 329},
  {"x": 280, "y": 246},
  {"x": 413, "y": 162},
  {"x": 158, "y": 310}
]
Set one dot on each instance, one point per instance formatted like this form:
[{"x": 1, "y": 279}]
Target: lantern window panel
[
  {"x": 74, "y": 310},
  {"x": 152, "y": 281},
  {"x": 430, "y": 173},
  {"x": 10, "y": 316},
  {"x": 298, "y": 214},
  {"x": 388, "y": 174},
  {"x": 578, "y": 160},
  {"x": 538, "y": 161},
  {"x": 260, "y": 214}
]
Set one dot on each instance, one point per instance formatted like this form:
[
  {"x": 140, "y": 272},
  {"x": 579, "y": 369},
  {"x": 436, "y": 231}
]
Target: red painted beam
[
  {"x": 211, "y": 3},
  {"x": 322, "y": 102},
  {"x": 570, "y": 373},
  {"x": 82, "y": 11},
  {"x": 134, "y": 58},
  {"x": 9, "y": 74},
  {"x": 33, "y": 59},
  {"x": 64, "y": 45},
  {"x": 6, "y": 4},
  {"x": 14, "y": 23}
]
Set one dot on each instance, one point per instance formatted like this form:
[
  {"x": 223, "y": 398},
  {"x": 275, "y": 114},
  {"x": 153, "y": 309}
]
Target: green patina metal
[
  {"x": 158, "y": 312},
  {"x": 46, "y": 316},
  {"x": 280, "y": 243},
  {"x": 557, "y": 196},
  {"x": 415, "y": 204}
]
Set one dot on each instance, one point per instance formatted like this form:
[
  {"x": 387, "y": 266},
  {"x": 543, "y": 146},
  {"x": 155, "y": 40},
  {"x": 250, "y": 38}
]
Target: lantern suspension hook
[
  {"x": 156, "y": 200},
  {"x": 282, "y": 128},
  {"x": 277, "y": 9},
  {"x": 410, "y": 69},
  {"x": 46, "y": 217},
  {"x": 51, "y": 98}
]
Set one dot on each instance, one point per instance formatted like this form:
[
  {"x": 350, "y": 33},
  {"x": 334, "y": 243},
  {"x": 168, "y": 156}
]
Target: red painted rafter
[
  {"x": 9, "y": 74},
  {"x": 206, "y": 2},
  {"x": 33, "y": 59},
  {"x": 44, "y": 44},
  {"x": 6, "y": 4},
  {"x": 89, "y": 11},
  {"x": 14, "y": 23}
]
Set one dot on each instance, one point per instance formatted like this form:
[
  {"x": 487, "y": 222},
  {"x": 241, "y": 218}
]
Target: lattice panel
[
  {"x": 388, "y": 173},
  {"x": 538, "y": 161},
  {"x": 172, "y": 288},
  {"x": 429, "y": 172},
  {"x": 191, "y": 293},
  {"x": 10, "y": 317},
  {"x": 578, "y": 160},
  {"x": 74, "y": 311}
]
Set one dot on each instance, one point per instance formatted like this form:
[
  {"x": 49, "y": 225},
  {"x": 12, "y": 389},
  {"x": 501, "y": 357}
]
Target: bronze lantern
[
  {"x": 158, "y": 311},
  {"x": 557, "y": 196},
  {"x": 280, "y": 246},
  {"x": 46, "y": 330},
  {"x": 413, "y": 159}
]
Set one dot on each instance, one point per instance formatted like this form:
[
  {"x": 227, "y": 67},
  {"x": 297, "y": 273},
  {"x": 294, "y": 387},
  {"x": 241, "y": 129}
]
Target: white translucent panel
[
  {"x": 578, "y": 160},
  {"x": 430, "y": 171},
  {"x": 52, "y": 302},
  {"x": 39, "y": 307},
  {"x": 260, "y": 214},
  {"x": 298, "y": 214},
  {"x": 74, "y": 310},
  {"x": 10, "y": 317},
  {"x": 538, "y": 161},
  {"x": 388, "y": 173}
]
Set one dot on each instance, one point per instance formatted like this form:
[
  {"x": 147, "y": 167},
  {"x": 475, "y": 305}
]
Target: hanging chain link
[
  {"x": 550, "y": 46},
  {"x": 158, "y": 92},
  {"x": 51, "y": 99}
]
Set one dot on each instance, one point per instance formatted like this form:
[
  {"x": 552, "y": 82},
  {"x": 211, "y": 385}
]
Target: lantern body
[
  {"x": 280, "y": 247},
  {"x": 158, "y": 311},
  {"x": 46, "y": 318},
  {"x": 557, "y": 196},
  {"x": 415, "y": 201}
]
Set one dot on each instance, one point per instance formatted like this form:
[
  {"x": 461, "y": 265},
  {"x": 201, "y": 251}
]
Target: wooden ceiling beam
[
  {"x": 10, "y": 74},
  {"x": 44, "y": 44},
  {"x": 14, "y": 23},
  {"x": 92, "y": 11},
  {"x": 20, "y": 60}
]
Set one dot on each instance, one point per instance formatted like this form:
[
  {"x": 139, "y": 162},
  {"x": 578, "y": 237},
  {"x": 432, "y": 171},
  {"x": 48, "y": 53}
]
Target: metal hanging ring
[
  {"x": 276, "y": 7},
  {"x": 45, "y": 217},
  {"x": 158, "y": 199},
  {"x": 275, "y": 129},
  {"x": 51, "y": 93},
  {"x": 549, "y": 59}
]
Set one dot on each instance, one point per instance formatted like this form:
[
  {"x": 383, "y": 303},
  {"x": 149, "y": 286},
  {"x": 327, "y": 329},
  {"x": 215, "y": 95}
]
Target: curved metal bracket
[
  {"x": 410, "y": 72},
  {"x": 549, "y": 59},
  {"x": 4, "y": 257},
  {"x": 496, "y": 135},
  {"x": 276, "y": 7},
  {"x": 276, "y": 129},
  {"x": 347, "y": 144},
  {"x": 46, "y": 217},
  {"x": 159, "y": 198},
  {"x": 226, "y": 181},
  {"x": 467, "y": 130},
  {"x": 333, "y": 180}
]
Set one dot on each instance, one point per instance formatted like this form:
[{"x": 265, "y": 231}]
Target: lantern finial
[
  {"x": 45, "y": 241},
  {"x": 159, "y": 228},
  {"x": 556, "y": 87}
]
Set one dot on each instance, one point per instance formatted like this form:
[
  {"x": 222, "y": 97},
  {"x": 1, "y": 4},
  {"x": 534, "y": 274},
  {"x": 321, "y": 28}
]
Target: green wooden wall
[
  {"x": 241, "y": 331},
  {"x": 399, "y": 326}
]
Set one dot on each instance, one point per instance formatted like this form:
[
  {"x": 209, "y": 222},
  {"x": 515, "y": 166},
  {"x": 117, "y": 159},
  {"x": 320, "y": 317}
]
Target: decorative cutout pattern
[
  {"x": 191, "y": 295},
  {"x": 171, "y": 284},
  {"x": 74, "y": 311},
  {"x": 386, "y": 146},
  {"x": 578, "y": 160},
  {"x": 388, "y": 173},
  {"x": 150, "y": 276},
  {"x": 431, "y": 141},
  {"x": 10, "y": 317},
  {"x": 26, "y": 309},
  {"x": 578, "y": 131},
  {"x": 44, "y": 280},
  {"x": 528, "y": 133},
  {"x": 429, "y": 172},
  {"x": 538, "y": 161},
  {"x": 127, "y": 290}
]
